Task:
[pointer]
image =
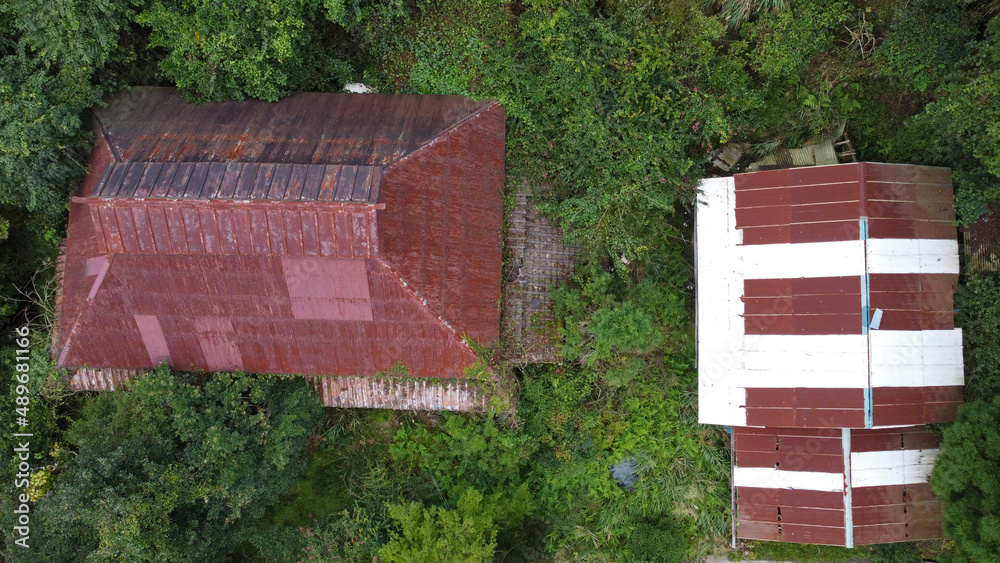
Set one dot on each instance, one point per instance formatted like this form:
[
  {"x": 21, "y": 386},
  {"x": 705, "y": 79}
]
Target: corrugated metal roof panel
[
  {"x": 831, "y": 287},
  {"x": 155, "y": 124},
  {"x": 388, "y": 393},
  {"x": 270, "y": 332},
  {"x": 234, "y": 227},
  {"x": 242, "y": 181},
  {"x": 900, "y": 506},
  {"x": 421, "y": 232}
]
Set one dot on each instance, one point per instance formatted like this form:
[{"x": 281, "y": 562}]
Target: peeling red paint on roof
[{"x": 327, "y": 234}]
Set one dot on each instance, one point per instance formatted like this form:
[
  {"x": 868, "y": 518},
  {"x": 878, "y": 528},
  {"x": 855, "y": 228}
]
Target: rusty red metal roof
[
  {"x": 851, "y": 487},
  {"x": 327, "y": 234},
  {"x": 156, "y": 124},
  {"x": 240, "y": 181}
]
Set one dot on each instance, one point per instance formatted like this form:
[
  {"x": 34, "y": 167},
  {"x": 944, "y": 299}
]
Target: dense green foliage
[
  {"x": 967, "y": 473},
  {"x": 612, "y": 110},
  {"x": 52, "y": 54},
  {"x": 978, "y": 304},
  {"x": 52, "y": 59},
  {"x": 251, "y": 48},
  {"x": 967, "y": 478},
  {"x": 941, "y": 59},
  {"x": 174, "y": 470},
  {"x": 435, "y": 535},
  {"x": 45, "y": 391},
  {"x": 657, "y": 542}
]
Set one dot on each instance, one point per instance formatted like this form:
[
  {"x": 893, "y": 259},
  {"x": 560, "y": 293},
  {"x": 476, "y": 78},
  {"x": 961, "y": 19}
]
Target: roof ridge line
[
  {"x": 412, "y": 290},
  {"x": 444, "y": 132}
]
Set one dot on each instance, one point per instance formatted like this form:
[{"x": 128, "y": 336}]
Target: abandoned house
[
  {"x": 826, "y": 340},
  {"x": 336, "y": 235}
]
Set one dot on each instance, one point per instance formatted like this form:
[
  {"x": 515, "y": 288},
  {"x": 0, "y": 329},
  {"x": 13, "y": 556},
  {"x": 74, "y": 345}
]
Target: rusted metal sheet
[
  {"x": 878, "y": 440},
  {"x": 234, "y": 228},
  {"x": 914, "y": 301},
  {"x": 893, "y": 406},
  {"x": 756, "y": 530},
  {"x": 821, "y": 535},
  {"x": 789, "y": 515},
  {"x": 790, "y": 497},
  {"x": 312, "y": 296},
  {"x": 156, "y": 124},
  {"x": 909, "y": 202},
  {"x": 809, "y": 176},
  {"x": 907, "y": 511},
  {"x": 896, "y": 513},
  {"x": 846, "y": 323},
  {"x": 812, "y": 407},
  {"x": 345, "y": 183},
  {"x": 798, "y": 206},
  {"x": 825, "y": 203},
  {"x": 781, "y": 510},
  {"x": 792, "y": 461},
  {"x": 218, "y": 343},
  {"x": 803, "y": 516},
  {"x": 823, "y": 305},
  {"x": 152, "y": 338},
  {"x": 421, "y": 233},
  {"x": 871, "y": 239},
  {"x": 270, "y": 334}
]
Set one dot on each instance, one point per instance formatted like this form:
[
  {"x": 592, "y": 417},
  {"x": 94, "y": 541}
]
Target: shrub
[
  {"x": 978, "y": 304},
  {"x": 903, "y": 552},
  {"x": 657, "y": 542},
  {"x": 967, "y": 479},
  {"x": 435, "y": 535},
  {"x": 42, "y": 135},
  {"x": 927, "y": 44}
]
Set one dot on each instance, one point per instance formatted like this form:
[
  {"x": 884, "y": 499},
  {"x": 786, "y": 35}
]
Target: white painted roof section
[
  {"x": 771, "y": 478},
  {"x": 804, "y": 260},
  {"x": 838, "y": 361},
  {"x": 912, "y": 256},
  {"x": 925, "y": 358},
  {"x": 896, "y": 467},
  {"x": 719, "y": 266}
]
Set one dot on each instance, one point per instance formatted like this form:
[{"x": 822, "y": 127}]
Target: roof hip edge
[
  {"x": 107, "y": 137},
  {"x": 412, "y": 289},
  {"x": 432, "y": 141}
]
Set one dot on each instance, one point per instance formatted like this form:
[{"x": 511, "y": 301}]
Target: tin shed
[
  {"x": 826, "y": 336},
  {"x": 323, "y": 235}
]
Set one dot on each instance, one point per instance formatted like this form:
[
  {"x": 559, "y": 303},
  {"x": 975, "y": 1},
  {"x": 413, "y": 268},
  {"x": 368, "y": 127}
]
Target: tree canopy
[{"x": 174, "y": 469}]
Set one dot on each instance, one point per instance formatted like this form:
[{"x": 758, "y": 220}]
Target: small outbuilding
[{"x": 826, "y": 340}]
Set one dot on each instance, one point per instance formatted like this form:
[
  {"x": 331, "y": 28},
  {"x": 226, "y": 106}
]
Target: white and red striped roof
[
  {"x": 835, "y": 487},
  {"x": 824, "y": 305}
]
